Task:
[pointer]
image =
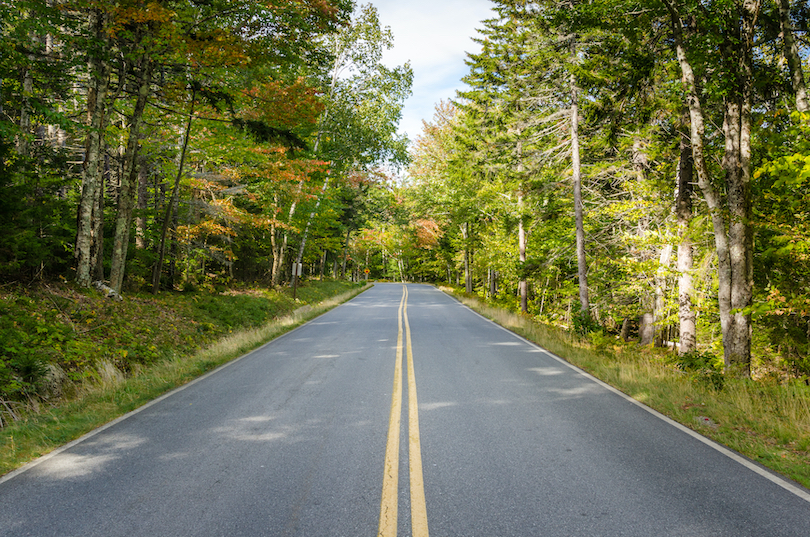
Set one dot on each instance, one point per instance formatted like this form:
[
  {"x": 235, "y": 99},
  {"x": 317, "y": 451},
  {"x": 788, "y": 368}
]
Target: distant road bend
[{"x": 320, "y": 433}]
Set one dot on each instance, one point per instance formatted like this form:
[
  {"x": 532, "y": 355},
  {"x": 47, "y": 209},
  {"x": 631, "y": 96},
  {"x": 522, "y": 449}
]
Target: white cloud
[{"x": 434, "y": 35}]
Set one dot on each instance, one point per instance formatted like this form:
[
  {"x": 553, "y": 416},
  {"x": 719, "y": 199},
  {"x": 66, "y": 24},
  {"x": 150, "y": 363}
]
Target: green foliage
[
  {"x": 36, "y": 220},
  {"x": 52, "y": 333},
  {"x": 703, "y": 367},
  {"x": 584, "y": 324}
]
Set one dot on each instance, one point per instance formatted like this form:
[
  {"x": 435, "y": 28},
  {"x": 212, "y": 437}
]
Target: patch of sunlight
[
  {"x": 248, "y": 432},
  {"x": 174, "y": 456},
  {"x": 259, "y": 437},
  {"x": 494, "y": 401},
  {"x": 105, "y": 448},
  {"x": 642, "y": 397},
  {"x": 258, "y": 419},
  {"x": 70, "y": 465},
  {"x": 546, "y": 371},
  {"x": 362, "y": 423},
  {"x": 435, "y": 406},
  {"x": 575, "y": 392},
  {"x": 115, "y": 442}
]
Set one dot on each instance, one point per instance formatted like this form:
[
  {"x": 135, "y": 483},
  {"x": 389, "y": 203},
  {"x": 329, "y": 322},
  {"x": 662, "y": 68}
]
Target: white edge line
[
  {"x": 39, "y": 460},
  {"x": 768, "y": 474}
]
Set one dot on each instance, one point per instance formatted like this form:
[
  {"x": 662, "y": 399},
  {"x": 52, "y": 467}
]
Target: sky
[{"x": 434, "y": 35}]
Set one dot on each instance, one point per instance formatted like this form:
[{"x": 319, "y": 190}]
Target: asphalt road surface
[{"x": 319, "y": 433}]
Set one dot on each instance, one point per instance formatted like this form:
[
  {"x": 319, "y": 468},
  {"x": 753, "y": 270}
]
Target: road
[{"x": 399, "y": 413}]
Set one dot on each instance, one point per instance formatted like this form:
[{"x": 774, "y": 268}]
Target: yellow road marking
[
  {"x": 419, "y": 525},
  {"x": 388, "y": 504}
]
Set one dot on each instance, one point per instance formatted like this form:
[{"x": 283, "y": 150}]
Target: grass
[
  {"x": 766, "y": 421},
  {"x": 108, "y": 392}
]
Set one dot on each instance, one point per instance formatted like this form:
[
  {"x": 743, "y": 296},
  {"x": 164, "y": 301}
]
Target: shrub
[{"x": 703, "y": 367}]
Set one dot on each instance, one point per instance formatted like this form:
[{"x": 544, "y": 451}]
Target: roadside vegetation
[
  {"x": 766, "y": 420},
  {"x": 88, "y": 359}
]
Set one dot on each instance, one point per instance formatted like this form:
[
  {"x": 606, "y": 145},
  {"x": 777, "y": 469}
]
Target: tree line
[
  {"x": 626, "y": 168},
  {"x": 164, "y": 144},
  {"x": 631, "y": 167}
]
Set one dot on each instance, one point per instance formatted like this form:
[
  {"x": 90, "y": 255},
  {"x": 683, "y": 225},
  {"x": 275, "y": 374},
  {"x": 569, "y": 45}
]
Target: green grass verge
[
  {"x": 766, "y": 421},
  {"x": 235, "y": 324}
]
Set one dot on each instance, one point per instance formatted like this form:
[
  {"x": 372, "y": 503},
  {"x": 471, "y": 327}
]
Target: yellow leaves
[
  {"x": 141, "y": 14},
  {"x": 284, "y": 105},
  {"x": 428, "y": 233},
  {"x": 138, "y": 12}
]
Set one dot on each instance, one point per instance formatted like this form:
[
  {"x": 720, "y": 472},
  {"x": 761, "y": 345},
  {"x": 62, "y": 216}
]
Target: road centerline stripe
[
  {"x": 390, "y": 497},
  {"x": 419, "y": 523}
]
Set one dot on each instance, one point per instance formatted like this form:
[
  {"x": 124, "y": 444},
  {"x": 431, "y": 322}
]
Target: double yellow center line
[{"x": 388, "y": 505}]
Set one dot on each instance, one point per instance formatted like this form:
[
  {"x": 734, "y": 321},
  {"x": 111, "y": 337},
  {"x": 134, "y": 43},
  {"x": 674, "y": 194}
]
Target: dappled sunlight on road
[
  {"x": 546, "y": 371},
  {"x": 100, "y": 452},
  {"x": 579, "y": 391},
  {"x": 70, "y": 465},
  {"x": 255, "y": 429},
  {"x": 434, "y": 406}
]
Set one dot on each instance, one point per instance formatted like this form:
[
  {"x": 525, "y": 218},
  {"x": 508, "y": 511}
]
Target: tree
[{"x": 363, "y": 106}]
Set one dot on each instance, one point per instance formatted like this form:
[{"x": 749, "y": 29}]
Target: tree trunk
[
  {"x": 582, "y": 266},
  {"x": 140, "y": 221},
  {"x": 97, "y": 249},
  {"x": 793, "y": 58},
  {"x": 92, "y": 169},
  {"x": 129, "y": 180},
  {"x": 306, "y": 228},
  {"x": 523, "y": 285},
  {"x": 345, "y": 254},
  {"x": 646, "y": 329},
  {"x": 683, "y": 210},
  {"x": 624, "y": 333},
  {"x": 323, "y": 264},
  {"x": 741, "y": 236},
  {"x": 158, "y": 268},
  {"x": 280, "y": 250},
  {"x": 660, "y": 294},
  {"x": 25, "y": 110},
  {"x": 735, "y": 246},
  {"x": 465, "y": 233}
]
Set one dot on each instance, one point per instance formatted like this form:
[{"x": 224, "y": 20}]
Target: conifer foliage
[{"x": 617, "y": 160}]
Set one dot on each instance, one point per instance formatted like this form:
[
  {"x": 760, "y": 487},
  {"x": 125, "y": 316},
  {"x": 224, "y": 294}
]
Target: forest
[{"x": 636, "y": 170}]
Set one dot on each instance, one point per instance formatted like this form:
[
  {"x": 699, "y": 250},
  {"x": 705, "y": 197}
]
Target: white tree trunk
[{"x": 683, "y": 209}]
